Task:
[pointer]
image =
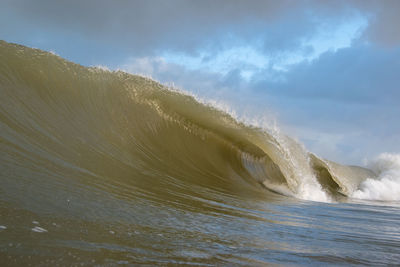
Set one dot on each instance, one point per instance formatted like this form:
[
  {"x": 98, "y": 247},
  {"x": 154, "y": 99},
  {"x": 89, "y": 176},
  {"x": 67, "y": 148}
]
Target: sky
[{"x": 326, "y": 72}]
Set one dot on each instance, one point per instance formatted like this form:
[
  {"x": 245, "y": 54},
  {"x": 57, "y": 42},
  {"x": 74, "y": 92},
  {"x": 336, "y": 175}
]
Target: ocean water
[{"x": 106, "y": 168}]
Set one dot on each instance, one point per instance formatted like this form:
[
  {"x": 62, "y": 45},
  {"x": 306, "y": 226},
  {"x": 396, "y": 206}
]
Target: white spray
[{"x": 387, "y": 185}]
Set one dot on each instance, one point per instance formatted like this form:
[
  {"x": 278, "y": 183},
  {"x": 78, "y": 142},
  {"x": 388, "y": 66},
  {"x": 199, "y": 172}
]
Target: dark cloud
[
  {"x": 358, "y": 74},
  {"x": 148, "y": 25},
  {"x": 384, "y": 21},
  {"x": 144, "y": 27}
]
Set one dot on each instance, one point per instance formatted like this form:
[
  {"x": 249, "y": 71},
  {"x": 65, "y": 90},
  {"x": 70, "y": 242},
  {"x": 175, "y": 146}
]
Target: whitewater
[{"x": 105, "y": 167}]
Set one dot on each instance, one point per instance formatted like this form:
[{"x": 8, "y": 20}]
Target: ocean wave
[{"x": 109, "y": 129}]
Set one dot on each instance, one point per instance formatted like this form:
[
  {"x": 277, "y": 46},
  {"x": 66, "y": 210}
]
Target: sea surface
[{"x": 106, "y": 168}]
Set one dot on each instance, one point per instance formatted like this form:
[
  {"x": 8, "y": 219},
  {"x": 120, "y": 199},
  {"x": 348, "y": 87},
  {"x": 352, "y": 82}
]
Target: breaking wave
[
  {"x": 113, "y": 129},
  {"x": 387, "y": 185}
]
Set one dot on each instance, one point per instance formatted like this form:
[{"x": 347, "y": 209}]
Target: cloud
[
  {"x": 201, "y": 82},
  {"x": 384, "y": 21},
  {"x": 358, "y": 74},
  {"x": 147, "y": 27}
]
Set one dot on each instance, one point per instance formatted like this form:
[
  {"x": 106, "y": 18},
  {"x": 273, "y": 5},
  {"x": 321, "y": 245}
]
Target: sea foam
[{"x": 387, "y": 185}]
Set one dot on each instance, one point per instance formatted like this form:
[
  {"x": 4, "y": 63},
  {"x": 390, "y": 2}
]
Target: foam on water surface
[{"x": 38, "y": 229}]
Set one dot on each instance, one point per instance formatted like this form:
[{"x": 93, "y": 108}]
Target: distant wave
[{"x": 93, "y": 125}]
